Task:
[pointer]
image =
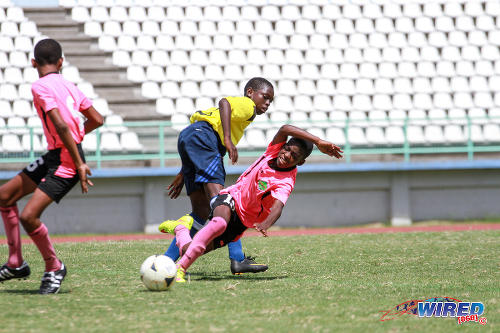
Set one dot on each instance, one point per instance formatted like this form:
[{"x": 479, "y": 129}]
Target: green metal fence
[{"x": 159, "y": 142}]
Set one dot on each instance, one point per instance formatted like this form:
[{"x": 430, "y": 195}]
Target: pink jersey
[
  {"x": 259, "y": 186},
  {"x": 53, "y": 91}
]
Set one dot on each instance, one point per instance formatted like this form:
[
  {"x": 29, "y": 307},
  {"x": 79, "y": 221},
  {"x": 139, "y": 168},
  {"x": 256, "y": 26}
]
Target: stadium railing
[{"x": 158, "y": 139}]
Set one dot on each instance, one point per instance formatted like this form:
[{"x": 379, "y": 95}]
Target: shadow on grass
[
  {"x": 26, "y": 292},
  {"x": 216, "y": 276}
]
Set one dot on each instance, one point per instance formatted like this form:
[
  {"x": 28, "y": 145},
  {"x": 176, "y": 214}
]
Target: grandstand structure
[
  {"x": 386, "y": 79},
  {"x": 368, "y": 75}
]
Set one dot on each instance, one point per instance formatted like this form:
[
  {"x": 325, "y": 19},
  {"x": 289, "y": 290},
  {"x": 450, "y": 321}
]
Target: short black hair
[
  {"x": 306, "y": 147},
  {"x": 47, "y": 52},
  {"x": 257, "y": 83}
]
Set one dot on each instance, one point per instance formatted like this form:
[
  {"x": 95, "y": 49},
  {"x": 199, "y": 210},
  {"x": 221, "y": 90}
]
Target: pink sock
[
  {"x": 200, "y": 241},
  {"x": 10, "y": 216},
  {"x": 41, "y": 239},
  {"x": 182, "y": 237}
]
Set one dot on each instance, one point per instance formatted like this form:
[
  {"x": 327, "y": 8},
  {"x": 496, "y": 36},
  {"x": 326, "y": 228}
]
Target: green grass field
[{"x": 325, "y": 283}]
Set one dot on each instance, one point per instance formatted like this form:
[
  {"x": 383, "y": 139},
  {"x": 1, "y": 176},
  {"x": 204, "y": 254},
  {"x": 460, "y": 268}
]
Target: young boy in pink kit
[
  {"x": 256, "y": 200},
  {"x": 50, "y": 177}
]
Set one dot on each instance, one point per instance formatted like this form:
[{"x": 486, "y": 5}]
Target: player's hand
[
  {"x": 84, "y": 170},
  {"x": 329, "y": 148},
  {"x": 175, "y": 188},
  {"x": 262, "y": 228},
  {"x": 232, "y": 151}
]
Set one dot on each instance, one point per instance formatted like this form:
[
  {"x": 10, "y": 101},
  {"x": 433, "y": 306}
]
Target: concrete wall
[{"x": 133, "y": 200}]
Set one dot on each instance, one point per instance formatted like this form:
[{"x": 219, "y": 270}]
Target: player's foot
[
  {"x": 51, "y": 281},
  {"x": 7, "y": 273},
  {"x": 247, "y": 265},
  {"x": 168, "y": 226},
  {"x": 181, "y": 272}
]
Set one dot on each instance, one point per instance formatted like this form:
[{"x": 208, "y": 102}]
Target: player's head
[
  {"x": 47, "y": 52},
  {"x": 293, "y": 153},
  {"x": 261, "y": 92}
]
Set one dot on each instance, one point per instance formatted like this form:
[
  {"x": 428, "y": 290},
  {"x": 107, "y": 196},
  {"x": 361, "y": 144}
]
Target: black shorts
[
  {"x": 42, "y": 172},
  {"x": 235, "y": 228}
]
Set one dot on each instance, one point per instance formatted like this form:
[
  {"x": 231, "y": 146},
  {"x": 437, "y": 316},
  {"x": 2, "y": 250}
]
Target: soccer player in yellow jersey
[{"x": 202, "y": 146}]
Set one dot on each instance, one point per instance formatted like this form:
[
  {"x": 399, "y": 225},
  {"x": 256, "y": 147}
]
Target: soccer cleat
[
  {"x": 181, "y": 272},
  {"x": 51, "y": 281},
  {"x": 7, "y": 273},
  {"x": 168, "y": 226},
  {"x": 247, "y": 265}
]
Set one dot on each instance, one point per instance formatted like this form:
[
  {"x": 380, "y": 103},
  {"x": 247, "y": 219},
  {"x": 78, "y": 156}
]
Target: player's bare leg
[
  {"x": 55, "y": 271},
  {"x": 10, "y": 193}
]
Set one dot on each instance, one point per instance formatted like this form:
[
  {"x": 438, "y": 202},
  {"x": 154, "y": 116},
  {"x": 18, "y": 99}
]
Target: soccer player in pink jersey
[
  {"x": 59, "y": 104},
  {"x": 256, "y": 200}
]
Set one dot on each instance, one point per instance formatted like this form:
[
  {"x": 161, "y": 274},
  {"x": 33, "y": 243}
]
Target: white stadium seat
[
  {"x": 368, "y": 60},
  {"x": 11, "y": 143},
  {"x": 130, "y": 141}
]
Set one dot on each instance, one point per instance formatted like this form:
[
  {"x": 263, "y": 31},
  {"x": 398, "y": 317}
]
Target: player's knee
[
  {"x": 218, "y": 225},
  {"x": 5, "y": 198},
  {"x": 27, "y": 219}
]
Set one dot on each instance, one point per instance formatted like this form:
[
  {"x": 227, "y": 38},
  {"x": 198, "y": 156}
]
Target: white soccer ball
[{"x": 158, "y": 272}]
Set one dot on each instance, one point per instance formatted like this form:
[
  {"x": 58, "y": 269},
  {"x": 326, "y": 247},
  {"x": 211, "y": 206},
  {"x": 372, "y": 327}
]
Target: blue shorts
[{"x": 202, "y": 155}]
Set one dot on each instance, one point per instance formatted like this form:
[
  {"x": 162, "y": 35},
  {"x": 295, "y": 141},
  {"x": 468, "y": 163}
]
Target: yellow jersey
[{"x": 242, "y": 114}]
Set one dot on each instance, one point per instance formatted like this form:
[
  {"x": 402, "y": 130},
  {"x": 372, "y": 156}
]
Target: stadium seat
[
  {"x": 165, "y": 106},
  {"x": 476, "y": 134},
  {"x": 28, "y": 145},
  {"x": 457, "y": 116},
  {"x": 18, "y": 59},
  {"x": 150, "y": 90},
  {"x": 22, "y": 108},
  {"x": 477, "y": 115},
  {"x": 434, "y": 134},
  {"x": 442, "y": 101},
  {"x": 464, "y": 23},
  {"x": 174, "y": 73},
  {"x": 438, "y": 116},
  {"x": 319, "y": 119},
  {"x": 115, "y": 123},
  {"x": 463, "y": 100},
  {"x": 415, "y": 135},
  {"x": 13, "y": 75},
  {"x": 417, "y": 117},
  {"x": 278, "y": 118},
  {"x": 130, "y": 141},
  {"x": 110, "y": 142},
  {"x": 356, "y": 136},
  {"x": 454, "y": 134},
  {"x": 444, "y": 24},
  {"x": 16, "y": 125},
  {"x": 203, "y": 103},
  {"x": 256, "y": 138},
  {"x": 397, "y": 117},
  {"x": 336, "y": 135},
  {"x": 5, "y": 110},
  {"x": 453, "y": 9},
  {"x": 11, "y": 143},
  {"x": 8, "y": 92}
]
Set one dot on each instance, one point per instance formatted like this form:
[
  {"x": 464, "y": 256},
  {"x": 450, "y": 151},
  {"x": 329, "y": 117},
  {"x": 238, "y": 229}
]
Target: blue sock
[
  {"x": 236, "y": 251},
  {"x": 173, "y": 250},
  {"x": 197, "y": 219}
]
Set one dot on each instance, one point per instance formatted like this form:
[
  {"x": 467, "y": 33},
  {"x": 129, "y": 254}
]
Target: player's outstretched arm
[
  {"x": 225, "y": 118},
  {"x": 94, "y": 119},
  {"x": 175, "y": 188},
  {"x": 273, "y": 216},
  {"x": 324, "y": 146},
  {"x": 65, "y": 135}
]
